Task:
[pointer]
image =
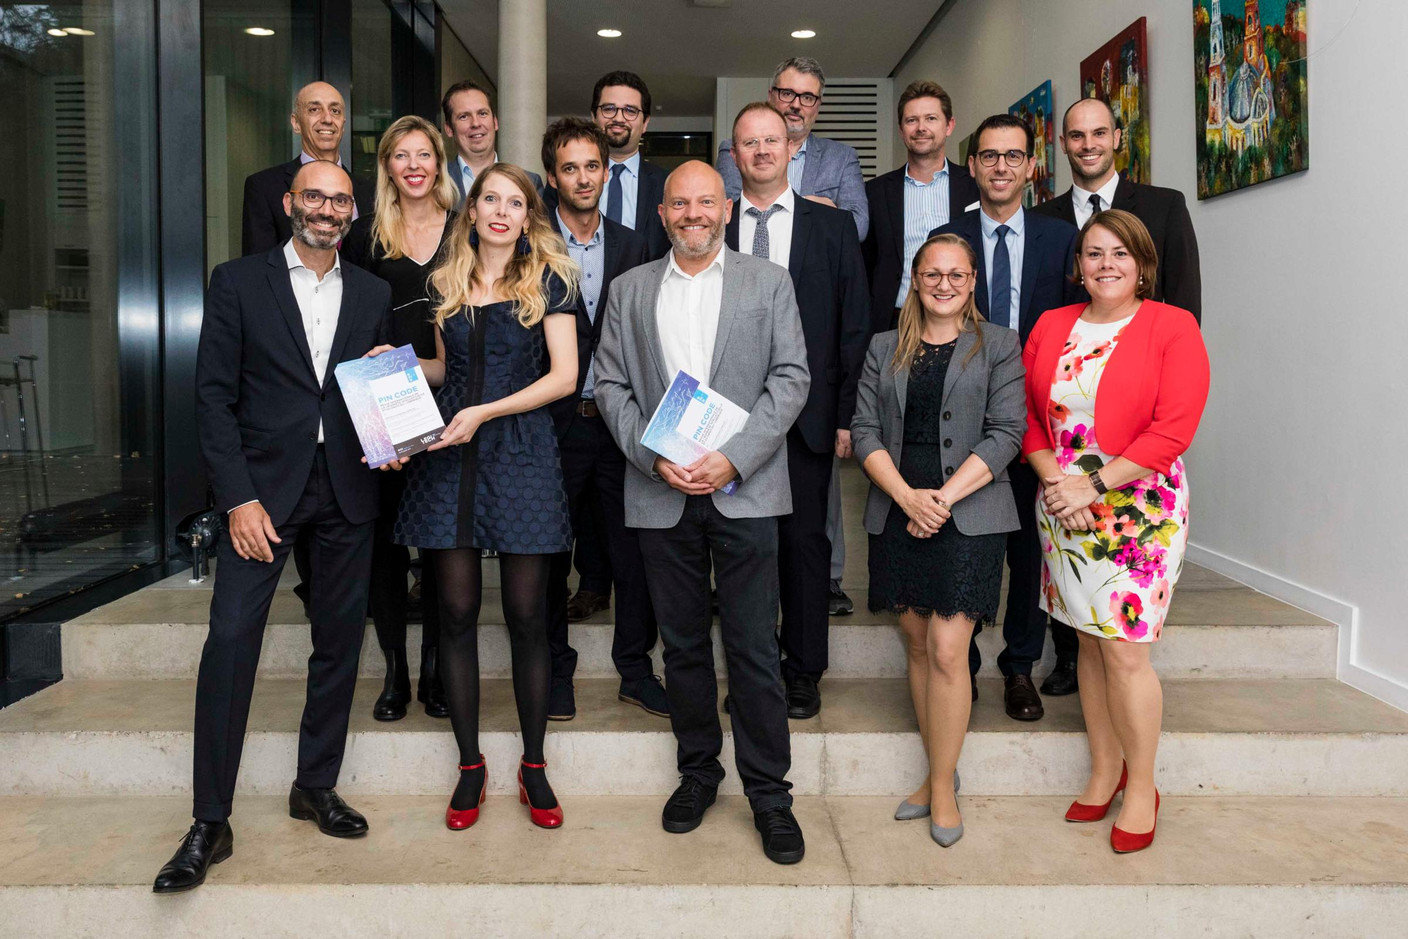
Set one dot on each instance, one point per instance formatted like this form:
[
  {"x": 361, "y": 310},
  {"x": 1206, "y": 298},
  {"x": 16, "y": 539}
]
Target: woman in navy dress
[{"x": 506, "y": 346}]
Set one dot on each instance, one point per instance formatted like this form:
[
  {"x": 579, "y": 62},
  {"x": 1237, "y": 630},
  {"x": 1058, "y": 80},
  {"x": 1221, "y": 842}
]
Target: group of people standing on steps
[{"x": 923, "y": 323}]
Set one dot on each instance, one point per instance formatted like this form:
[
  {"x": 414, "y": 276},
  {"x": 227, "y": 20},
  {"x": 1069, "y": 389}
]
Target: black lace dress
[{"x": 951, "y": 572}]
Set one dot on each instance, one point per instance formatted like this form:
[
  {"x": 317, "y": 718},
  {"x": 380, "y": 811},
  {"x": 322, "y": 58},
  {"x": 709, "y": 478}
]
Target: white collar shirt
[
  {"x": 779, "y": 227},
  {"x": 319, "y": 303},
  {"x": 1080, "y": 199},
  {"x": 687, "y": 317},
  {"x": 630, "y": 187}
]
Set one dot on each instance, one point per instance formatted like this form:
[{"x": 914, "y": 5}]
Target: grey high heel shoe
[
  {"x": 909, "y": 811},
  {"x": 946, "y": 837}
]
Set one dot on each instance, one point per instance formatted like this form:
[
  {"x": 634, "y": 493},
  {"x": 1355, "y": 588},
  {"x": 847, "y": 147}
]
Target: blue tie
[
  {"x": 1000, "y": 287},
  {"x": 613, "y": 193}
]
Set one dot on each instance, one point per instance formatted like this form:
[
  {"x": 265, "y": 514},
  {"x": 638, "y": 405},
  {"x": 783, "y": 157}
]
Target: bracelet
[{"x": 1096, "y": 481}]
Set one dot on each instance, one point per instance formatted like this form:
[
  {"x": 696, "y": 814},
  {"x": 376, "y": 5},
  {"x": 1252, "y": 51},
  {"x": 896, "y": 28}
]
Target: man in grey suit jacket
[{"x": 730, "y": 320}]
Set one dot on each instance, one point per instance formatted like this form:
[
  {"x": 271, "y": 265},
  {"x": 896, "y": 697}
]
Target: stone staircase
[{"x": 1286, "y": 810}]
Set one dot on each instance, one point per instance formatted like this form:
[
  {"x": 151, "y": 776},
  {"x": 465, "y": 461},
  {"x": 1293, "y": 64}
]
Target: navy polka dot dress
[{"x": 502, "y": 490}]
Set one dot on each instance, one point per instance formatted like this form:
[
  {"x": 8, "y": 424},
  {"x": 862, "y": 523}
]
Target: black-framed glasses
[
  {"x": 958, "y": 279},
  {"x": 787, "y": 96},
  {"x": 629, "y": 111},
  {"x": 1013, "y": 157},
  {"x": 314, "y": 199}
]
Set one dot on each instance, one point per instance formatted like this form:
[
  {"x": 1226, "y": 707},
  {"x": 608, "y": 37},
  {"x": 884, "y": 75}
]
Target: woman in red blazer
[{"x": 1115, "y": 389}]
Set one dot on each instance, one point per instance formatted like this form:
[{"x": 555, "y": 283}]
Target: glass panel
[
  {"x": 371, "y": 105},
  {"x": 78, "y": 316}
]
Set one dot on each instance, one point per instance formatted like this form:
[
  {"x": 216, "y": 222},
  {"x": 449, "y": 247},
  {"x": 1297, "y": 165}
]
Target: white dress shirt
[
  {"x": 1016, "y": 243},
  {"x": 687, "y": 316},
  {"x": 779, "y": 227},
  {"x": 1080, "y": 199},
  {"x": 319, "y": 302}
]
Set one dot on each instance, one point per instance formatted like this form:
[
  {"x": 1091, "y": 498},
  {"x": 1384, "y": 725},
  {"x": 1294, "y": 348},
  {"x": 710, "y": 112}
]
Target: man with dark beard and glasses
[
  {"x": 283, "y": 459},
  {"x": 729, "y": 320},
  {"x": 621, "y": 108}
]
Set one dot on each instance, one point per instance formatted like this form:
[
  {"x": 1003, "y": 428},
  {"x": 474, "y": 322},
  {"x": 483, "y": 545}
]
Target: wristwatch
[{"x": 1096, "y": 481}]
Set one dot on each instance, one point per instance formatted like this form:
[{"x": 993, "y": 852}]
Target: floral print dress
[{"x": 1116, "y": 581}]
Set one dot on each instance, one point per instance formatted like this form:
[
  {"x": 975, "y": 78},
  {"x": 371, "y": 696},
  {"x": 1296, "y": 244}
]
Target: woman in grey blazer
[{"x": 939, "y": 414}]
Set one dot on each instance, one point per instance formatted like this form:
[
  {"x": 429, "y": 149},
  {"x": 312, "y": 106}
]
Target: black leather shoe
[
  {"x": 1061, "y": 681},
  {"x": 205, "y": 844},
  {"x": 562, "y": 702},
  {"x": 585, "y": 603},
  {"x": 975, "y": 688},
  {"x": 1021, "y": 700},
  {"x": 430, "y": 691},
  {"x": 325, "y": 806},
  {"x": 837, "y": 602},
  {"x": 782, "y": 836},
  {"x": 686, "y": 806},
  {"x": 396, "y": 692},
  {"x": 647, "y": 694},
  {"x": 803, "y": 698}
]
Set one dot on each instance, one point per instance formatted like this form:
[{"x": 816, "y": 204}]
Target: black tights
[{"x": 459, "y": 584}]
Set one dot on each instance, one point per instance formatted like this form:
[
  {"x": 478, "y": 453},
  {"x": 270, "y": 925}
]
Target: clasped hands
[
  {"x": 1069, "y": 497},
  {"x": 709, "y": 473},
  {"x": 927, "y": 510}
]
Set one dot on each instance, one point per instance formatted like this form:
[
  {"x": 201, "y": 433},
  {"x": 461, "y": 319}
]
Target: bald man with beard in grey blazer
[{"x": 731, "y": 321}]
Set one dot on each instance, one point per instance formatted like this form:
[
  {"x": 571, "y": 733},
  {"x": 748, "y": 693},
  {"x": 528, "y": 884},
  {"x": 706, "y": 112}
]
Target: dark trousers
[
  {"x": 804, "y": 560},
  {"x": 340, "y": 556},
  {"x": 594, "y": 474},
  {"x": 1064, "y": 641},
  {"x": 1024, "y": 626},
  {"x": 391, "y": 564},
  {"x": 590, "y": 557},
  {"x": 743, "y": 552}
]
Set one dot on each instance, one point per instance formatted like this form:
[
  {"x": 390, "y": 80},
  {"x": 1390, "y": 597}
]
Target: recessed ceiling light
[
  {"x": 609, "y": 33},
  {"x": 56, "y": 32},
  {"x": 78, "y": 31},
  {"x": 803, "y": 33},
  {"x": 259, "y": 31}
]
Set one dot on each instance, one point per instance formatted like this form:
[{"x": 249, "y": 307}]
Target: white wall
[{"x": 1298, "y": 466}]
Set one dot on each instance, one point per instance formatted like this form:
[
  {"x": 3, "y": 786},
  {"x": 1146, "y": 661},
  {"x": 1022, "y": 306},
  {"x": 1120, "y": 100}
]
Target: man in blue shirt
[{"x": 635, "y": 186}]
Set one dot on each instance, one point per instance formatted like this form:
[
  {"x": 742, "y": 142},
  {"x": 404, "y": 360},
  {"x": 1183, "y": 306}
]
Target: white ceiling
[{"x": 679, "y": 49}]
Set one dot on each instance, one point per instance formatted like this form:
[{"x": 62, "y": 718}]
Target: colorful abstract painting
[
  {"x": 1118, "y": 73},
  {"x": 1035, "y": 110},
  {"x": 1250, "y": 90}
]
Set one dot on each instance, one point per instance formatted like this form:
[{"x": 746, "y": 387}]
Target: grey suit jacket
[
  {"x": 984, "y": 413},
  {"x": 760, "y": 364},
  {"x": 832, "y": 170}
]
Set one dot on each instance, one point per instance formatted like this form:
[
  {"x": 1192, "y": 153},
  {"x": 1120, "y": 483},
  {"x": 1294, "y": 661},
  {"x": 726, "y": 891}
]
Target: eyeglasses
[
  {"x": 1013, "y": 157},
  {"x": 629, "y": 111},
  {"x": 752, "y": 143},
  {"x": 313, "y": 199},
  {"x": 787, "y": 96},
  {"x": 933, "y": 278}
]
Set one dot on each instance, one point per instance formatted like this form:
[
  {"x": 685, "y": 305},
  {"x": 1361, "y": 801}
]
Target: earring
[
  {"x": 473, "y": 236},
  {"x": 1141, "y": 280},
  {"x": 523, "y": 246},
  {"x": 1080, "y": 278}
]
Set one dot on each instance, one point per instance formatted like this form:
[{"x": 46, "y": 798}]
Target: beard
[
  {"x": 697, "y": 244},
  {"x": 617, "y": 137},
  {"x": 581, "y": 202},
  {"x": 300, "y": 219}
]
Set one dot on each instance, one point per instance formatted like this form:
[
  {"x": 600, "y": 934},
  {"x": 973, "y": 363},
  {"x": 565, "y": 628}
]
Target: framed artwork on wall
[
  {"x": 1118, "y": 73},
  {"x": 1036, "y": 111},
  {"x": 1250, "y": 92}
]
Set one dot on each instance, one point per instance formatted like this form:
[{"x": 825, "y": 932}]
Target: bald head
[
  {"x": 694, "y": 213},
  {"x": 319, "y": 117}
]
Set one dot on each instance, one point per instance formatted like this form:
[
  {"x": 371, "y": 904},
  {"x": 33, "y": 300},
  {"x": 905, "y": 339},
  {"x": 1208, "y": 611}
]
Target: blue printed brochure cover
[
  {"x": 391, "y": 405},
  {"x": 691, "y": 421}
]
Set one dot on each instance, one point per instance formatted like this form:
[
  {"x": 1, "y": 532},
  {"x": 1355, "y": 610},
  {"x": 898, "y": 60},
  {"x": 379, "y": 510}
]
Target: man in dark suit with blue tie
[
  {"x": 593, "y": 466},
  {"x": 621, "y": 108},
  {"x": 1025, "y": 266}
]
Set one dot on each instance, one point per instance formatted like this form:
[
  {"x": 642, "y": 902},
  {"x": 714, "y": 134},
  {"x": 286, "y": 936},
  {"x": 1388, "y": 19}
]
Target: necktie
[
  {"x": 761, "y": 247},
  {"x": 1000, "y": 287},
  {"x": 613, "y": 193},
  {"x": 1094, "y": 205}
]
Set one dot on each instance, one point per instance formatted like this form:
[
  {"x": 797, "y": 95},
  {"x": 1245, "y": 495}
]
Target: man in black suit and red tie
[
  {"x": 1089, "y": 139},
  {"x": 818, "y": 246},
  {"x": 283, "y": 460}
]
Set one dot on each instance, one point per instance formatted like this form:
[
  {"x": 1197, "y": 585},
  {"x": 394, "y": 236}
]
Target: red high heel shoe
[
  {"x": 1125, "y": 842},
  {"x": 543, "y": 818},
  {"x": 460, "y": 819},
  {"x": 1080, "y": 812}
]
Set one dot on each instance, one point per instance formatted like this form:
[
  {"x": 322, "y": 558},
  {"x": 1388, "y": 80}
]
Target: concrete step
[
  {"x": 1219, "y": 867},
  {"x": 1214, "y": 632},
  {"x": 1286, "y": 738}
]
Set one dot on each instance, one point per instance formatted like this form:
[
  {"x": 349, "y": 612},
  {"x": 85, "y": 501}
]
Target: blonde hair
[
  {"x": 388, "y": 227},
  {"x": 522, "y": 283},
  {"x": 911, "y": 319}
]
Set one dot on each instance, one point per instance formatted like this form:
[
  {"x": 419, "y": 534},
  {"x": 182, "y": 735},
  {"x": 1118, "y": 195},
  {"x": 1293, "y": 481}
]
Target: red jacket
[{"x": 1151, "y": 393}]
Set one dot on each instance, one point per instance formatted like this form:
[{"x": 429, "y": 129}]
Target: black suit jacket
[
  {"x": 1165, "y": 213},
  {"x": 258, "y": 401},
  {"x": 624, "y": 249},
  {"x": 265, "y": 224},
  {"x": 649, "y": 194},
  {"x": 884, "y": 244},
  {"x": 828, "y": 275},
  {"x": 1048, "y": 257}
]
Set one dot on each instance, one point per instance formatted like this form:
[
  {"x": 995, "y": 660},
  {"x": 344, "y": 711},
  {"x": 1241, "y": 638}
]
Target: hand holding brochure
[
  {"x": 391, "y": 405},
  {"x": 692, "y": 420}
]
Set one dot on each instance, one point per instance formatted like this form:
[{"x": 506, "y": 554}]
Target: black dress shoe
[
  {"x": 837, "y": 602},
  {"x": 782, "y": 836},
  {"x": 396, "y": 692},
  {"x": 647, "y": 694},
  {"x": 1061, "y": 681},
  {"x": 325, "y": 806},
  {"x": 685, "y": 808},
  {"x": 803, "y": 697},
  {"x": 430, "y": 691},
  {"x": 205, "y": 844},
  {"x": 562, "y": 702},
  {"x": 584, "y": 603},
  {"x": 1021, "y": 700}
]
